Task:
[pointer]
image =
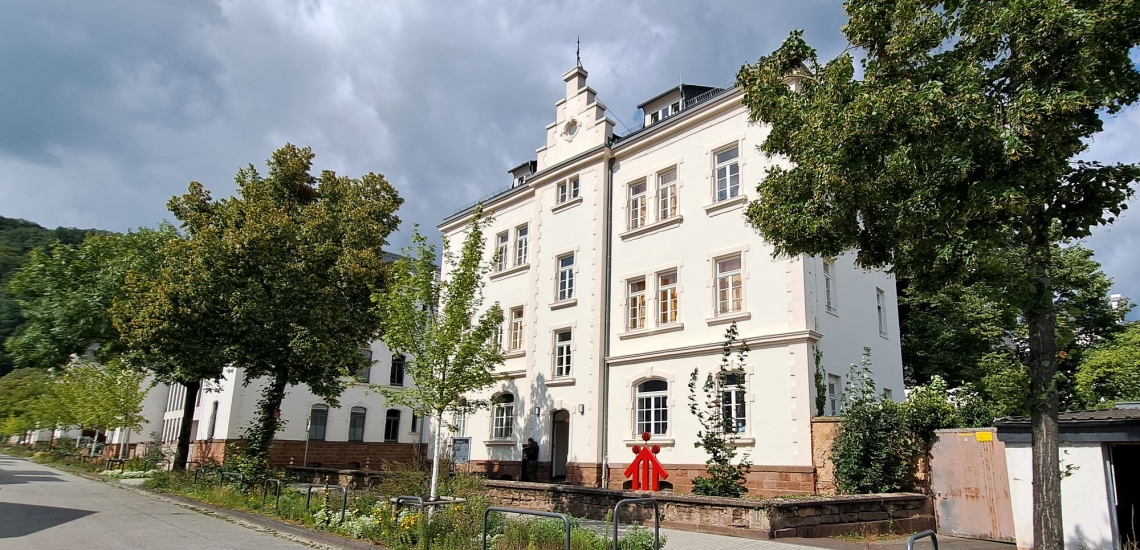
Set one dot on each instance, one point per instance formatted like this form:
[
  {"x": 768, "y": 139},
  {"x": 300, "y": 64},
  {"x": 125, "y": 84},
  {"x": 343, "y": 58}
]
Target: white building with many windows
[{"x": 622, "y": 260}]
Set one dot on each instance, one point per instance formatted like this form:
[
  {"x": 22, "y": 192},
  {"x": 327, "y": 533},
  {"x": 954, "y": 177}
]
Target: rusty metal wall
[{"x": 970, "y": 485}]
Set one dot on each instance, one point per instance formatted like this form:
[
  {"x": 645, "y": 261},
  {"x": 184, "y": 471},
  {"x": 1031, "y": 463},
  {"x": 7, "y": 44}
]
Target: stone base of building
[
  {"x": 762, "y": 481},
  {"x": 319, "y": 454},
  {"x": 747, "y": 518}
]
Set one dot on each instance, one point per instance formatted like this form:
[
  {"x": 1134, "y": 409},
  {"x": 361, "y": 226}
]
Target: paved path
[{"x": 44, "y": 509}]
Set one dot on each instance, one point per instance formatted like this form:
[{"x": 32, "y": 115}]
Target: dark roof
[
  {"x": 1079, "y": 418},
  {"x": 687, "y": 91},
  {"x": 531, "y": 163}
]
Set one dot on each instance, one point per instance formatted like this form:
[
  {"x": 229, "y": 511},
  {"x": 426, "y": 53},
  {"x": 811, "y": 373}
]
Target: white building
[
  {"x": 361, "y": 432},
  {"x": 622, "y": 260}
]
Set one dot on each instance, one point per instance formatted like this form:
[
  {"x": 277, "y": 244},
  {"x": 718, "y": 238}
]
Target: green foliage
[
  {"x": 1110, "y": 372},
  {"x": 440, "y": 325},
  {"x": 286, "y": 269},
  {"x": 718, "y": 433},
  {"x": 20, "y": 392},
  {"x": 92, "y": 395},
  {"x": 820, "y": 382},
  {"x": 17, "y": 239}
]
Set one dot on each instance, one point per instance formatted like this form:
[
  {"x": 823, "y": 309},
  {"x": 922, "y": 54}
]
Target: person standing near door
[{"x": 530, "y": 460}]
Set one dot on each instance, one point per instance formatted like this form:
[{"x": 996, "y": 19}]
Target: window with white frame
[
  {"x": 503, "y": 416},
  {"x": 365, "y": 372},
  {"x": 636, "y": 305},
  {"x": 881, "y": 308},
  {"x": 888, "y": 394},
  {"x": 829, "y": 284},
  {"x": 460, "y": 424},
  {"x": 727, "y": 174},
  {"x": 568, "y": 190},
  {"x": 833, "y": 383},
  {"x": 396, "y": 375},
  {"x": 675, "y": 108},
  {"x": 653, "y": 407},
  {"x": 667, "y": 194},
  {"x": 733, "y": 407},
  {"x": 563, "y": 352},
  {"x": 318, "y": 421},
  {"x": 521, "y": 233},
  {"x": 501, "y": 251},
  {"x": 565, "y": 277},
  {"x": 667, "y": 298},
  {"x": 497, "y": 336},
  {"x": 356, "y": 418},
  {"x": 637, "y": 205},
  {"x": 729, "y": 285},
  {"x": 516, "y": 329}
]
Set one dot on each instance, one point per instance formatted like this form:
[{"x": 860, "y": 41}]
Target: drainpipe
[{"x": 606, "y": 334}]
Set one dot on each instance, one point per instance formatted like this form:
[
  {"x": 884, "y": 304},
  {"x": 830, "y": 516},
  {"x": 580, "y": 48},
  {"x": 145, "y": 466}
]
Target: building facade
[{"x": 620, "y": 263}]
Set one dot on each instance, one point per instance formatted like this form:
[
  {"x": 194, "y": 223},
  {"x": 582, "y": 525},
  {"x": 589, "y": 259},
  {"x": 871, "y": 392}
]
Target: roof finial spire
[{"x": 578, "y": 52}]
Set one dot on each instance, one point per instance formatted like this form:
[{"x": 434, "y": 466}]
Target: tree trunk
[
  {"x": 266, "y": 423},
  {"x": 183, "y": 450},
  {"x": 434, "y": 492},
  {"x": 1048, "y": 533}
]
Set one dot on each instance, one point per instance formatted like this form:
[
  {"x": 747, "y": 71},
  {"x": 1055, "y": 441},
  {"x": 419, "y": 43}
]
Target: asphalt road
[{"x": 45, "y": 509}]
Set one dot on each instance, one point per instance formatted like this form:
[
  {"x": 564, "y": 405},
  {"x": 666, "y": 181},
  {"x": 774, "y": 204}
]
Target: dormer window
[
  {"x": 655, "y": 118},
  {"x": 675, "y": 108}
]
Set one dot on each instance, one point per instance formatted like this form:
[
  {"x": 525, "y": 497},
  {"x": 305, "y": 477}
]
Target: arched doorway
[{"x": 560, "y": 444}]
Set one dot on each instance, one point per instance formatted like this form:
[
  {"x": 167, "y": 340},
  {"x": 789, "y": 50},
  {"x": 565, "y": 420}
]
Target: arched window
[
  {"x": 356, "y": 423},
  {"x": 318, "y": 420},
  {"x": 733, "y": 408},
  {"x": 503, "y": 417},
  {"x": 392, "y": 426},
  {"x": 652, "y": 407}
]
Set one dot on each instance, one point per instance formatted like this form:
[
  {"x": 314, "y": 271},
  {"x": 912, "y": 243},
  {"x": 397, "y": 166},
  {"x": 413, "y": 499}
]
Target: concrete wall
[{"x": 1085, "y": 502}]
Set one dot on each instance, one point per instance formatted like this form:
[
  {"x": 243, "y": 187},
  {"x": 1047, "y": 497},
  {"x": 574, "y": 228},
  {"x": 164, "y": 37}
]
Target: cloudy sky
[{"x": 107, "y": 109}]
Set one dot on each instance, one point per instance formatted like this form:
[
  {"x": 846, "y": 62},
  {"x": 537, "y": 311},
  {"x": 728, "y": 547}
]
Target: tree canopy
[
  {"x": 961, "y": 138},
  {"x": 1110, "y": 372}
]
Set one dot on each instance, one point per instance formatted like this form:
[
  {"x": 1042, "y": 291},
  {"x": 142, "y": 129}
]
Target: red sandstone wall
[{"x": 330, "y": 454}]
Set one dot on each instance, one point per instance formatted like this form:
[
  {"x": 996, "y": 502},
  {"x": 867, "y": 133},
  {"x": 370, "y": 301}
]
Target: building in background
[{"x": 620, "y": 263}]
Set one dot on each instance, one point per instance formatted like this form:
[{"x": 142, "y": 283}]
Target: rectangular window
[
  {"x": 881, "y": 308},
  {"x": 516, "y": 329},
  {"x": 497, "y": 337},
  {"x": 574, "y": 188},
  {"x": 392, "y": 426},
  {"x": 521, "y": 244},
  {"x": 833, "y": 383},
  {"x": 566, "y": 277},
  {"x": 654, "y": 118},
  {"x": 396, "y": 377},
  {"x": 503, "y": 415},
  {"x": 652, "y": 407},
  {"x": 637, "y": 206},
  {"x": 356, "y": 424},
  {"x": 563, "y": 354},
  {"x": 318, "y": 420},
  {"x": 415, "y": 423},
  {"x": 667, "y": 195},
  {"x": 460, "y": 424},
  {"x": 733, "y": 408},
  {"x": 729, "y": 286},
  {"x": 365, "y": 372},
  {"x": 568, "y": 190},
  {"x": 667, "y": 298},
  {"x": 675, "y": 108},
  {"x": 636, "y": 305},
  {"x": 888, "y": 394},
  {"x": 829, "y": 284},
  {"x": 501, "y": 251},
  {"x": 727, "y": 174}
]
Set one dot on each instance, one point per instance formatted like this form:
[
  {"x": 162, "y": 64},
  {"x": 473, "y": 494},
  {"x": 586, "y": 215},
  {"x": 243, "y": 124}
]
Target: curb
[{"x": 288, "y": 531}]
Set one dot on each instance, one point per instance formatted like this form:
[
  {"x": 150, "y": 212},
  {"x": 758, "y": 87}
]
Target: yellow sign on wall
[{"x": 984, "y": 436}]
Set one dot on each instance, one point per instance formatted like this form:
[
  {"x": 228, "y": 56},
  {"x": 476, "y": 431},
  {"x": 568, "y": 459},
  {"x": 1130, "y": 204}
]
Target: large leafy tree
[
  {"x": 440, "y": 325},
  {"x": 290, "y": 262},
  {"x": 962, "y": 137},
  {"x": 98, "y": 396},
  {"x": 1110, "y": 372},
  {"x": 961, "y": 331},
  {"x": 19, "y": 391}
]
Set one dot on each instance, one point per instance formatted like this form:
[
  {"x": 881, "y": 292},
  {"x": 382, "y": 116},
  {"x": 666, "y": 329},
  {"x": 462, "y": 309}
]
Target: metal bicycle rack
[
  {"x": 343, "y": 490},
  {"x": 223, "y": 475},
  {"x": 923, "y": 534},
  {"x": 265, "y": 492},
  {"x": 565, "y": 520},
  {"x": 656, "y": 519},
  {"x": 121, "y": 462},
  {"x": 419, "y": 501},
  {"x": 204, "y": 474}
]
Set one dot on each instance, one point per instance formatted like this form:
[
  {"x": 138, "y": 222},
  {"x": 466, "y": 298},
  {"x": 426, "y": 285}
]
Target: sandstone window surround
[{"x": 728, "y": 286}]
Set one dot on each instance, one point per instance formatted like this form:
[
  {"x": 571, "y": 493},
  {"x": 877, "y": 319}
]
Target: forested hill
[{"x": 17, "y": 239}]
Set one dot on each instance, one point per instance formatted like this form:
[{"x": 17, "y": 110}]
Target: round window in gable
[{"x": 571, "y": 129}]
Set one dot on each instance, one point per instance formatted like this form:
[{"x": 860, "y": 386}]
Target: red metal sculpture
[{"x": 646, "y": 472}]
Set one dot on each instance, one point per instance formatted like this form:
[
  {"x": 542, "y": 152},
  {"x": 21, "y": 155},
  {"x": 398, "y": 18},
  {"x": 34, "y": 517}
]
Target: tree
[
  {"x": 103, "y": 397},
  {"x": 169, "y": 318},
  {"x": 19, "y": 392},
  {"x": 718, "y": 433},
  {"x": 1110, "y": 372},
  {"x": 291, "y": 262},
  {"x": 961, "y": 138},
  {"x": 441, "y": 327}
]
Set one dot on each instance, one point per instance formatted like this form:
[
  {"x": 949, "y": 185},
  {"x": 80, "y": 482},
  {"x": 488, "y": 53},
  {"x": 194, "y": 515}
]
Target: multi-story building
[
  {"x": 621, "y": 260},
  {"x": 361, "y": 432}
]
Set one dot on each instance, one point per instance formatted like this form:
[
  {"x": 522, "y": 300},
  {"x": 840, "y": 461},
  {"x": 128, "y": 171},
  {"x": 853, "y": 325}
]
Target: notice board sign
[{"x": 460, "y": 450}]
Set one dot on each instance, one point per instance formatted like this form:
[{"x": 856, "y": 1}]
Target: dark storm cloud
[{"x": 110, "y": 108}]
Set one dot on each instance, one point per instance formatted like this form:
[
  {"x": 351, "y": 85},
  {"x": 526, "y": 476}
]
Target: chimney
[{"x": 575, "y": 80}]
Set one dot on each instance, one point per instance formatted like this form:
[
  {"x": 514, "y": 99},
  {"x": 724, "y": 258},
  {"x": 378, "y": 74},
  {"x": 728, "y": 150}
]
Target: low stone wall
[{"x": 749, "y": 518}]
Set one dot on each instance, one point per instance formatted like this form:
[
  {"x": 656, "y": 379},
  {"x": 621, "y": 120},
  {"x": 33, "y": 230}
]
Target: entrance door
[
  {"x": 561, "y": 444},
  {"x": 1126, "y": 481}
]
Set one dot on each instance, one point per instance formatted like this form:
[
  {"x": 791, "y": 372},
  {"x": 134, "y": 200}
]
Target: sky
[{"x": 107, "y": 109}]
